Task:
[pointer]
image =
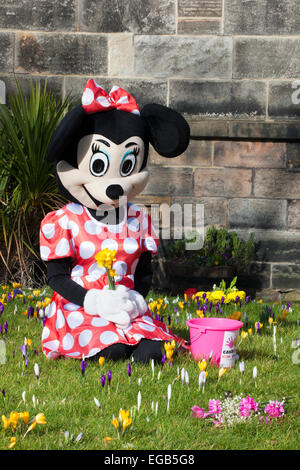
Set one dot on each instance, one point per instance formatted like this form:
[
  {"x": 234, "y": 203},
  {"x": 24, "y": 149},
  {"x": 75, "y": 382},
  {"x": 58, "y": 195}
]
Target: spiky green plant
[{"x": 27, "y": 182}]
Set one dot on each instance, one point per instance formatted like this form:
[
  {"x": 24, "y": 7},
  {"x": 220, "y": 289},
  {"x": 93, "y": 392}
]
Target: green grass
[{"x": 68, "y": 402}]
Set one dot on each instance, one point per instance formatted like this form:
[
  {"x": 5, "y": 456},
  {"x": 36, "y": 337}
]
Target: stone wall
[{"x": 231, "y": 66}]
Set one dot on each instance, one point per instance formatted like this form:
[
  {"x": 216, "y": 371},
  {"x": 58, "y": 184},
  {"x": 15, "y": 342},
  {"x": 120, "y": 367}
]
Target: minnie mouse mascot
[{"x": 100, "y": 151}]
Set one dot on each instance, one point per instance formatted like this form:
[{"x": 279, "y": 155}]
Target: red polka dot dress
[{"x": 72, "y": 232}]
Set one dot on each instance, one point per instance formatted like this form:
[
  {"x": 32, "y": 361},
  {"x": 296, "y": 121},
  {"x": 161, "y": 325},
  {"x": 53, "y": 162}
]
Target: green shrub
[{"x": 27, "y": 182}]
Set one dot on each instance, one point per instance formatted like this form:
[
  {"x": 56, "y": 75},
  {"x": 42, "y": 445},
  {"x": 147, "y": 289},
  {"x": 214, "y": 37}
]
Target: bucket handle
[{"x": 197, "y": 335}]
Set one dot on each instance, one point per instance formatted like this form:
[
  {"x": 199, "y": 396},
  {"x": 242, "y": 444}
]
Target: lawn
[{"x": 79, "y": 411}]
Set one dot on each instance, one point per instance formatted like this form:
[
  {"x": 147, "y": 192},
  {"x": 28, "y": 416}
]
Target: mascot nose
[{"x": 114, "y": 191}]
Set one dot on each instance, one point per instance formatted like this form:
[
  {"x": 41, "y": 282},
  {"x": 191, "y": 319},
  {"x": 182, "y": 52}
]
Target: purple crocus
[
  {"x": 109, "y": 377},
  {"x": 1, "y": 308},
  {"x": 247, "y": 299},
  {"x": 23, "y": 349},
  {"x": 83, "y": 366},
  {"x": 26, "y": 362},
  {"x": 163, "y": 359},
  {"x": 13, "y": 354},
  {"x": 5, "y": 325},
  {"x": 30, "y": 311},
  {"x": 129, "y": 369},
  {"x": 1, "y": 330},
  {"x": 3, "y": 392},
  {"x": 222, "y": 299},
  {"x": 169, "y": 319},
  {"x": 237, "y": 299},
  {"x": 246, "y": 319},
  {"x": 102, "y": 380}
]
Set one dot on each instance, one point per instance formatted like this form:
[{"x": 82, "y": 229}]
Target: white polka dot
[
  {"x": 148, "y": 319},
  {"x": 120, "y": 267},
  {"x": 86, "y": 249},
  {"x": 73, "y": 354},
  {"x": 93, "y": 352},
  {"x": 74, "y": 227},
  {"x": 59, "y": 212},
  {"x": 45, "y": 252},
  {"x": 146, "y": 327},
  {"x": 133, "y": 209},
  {"x": 75, "y": 208},
  {"x": 110, "y": 244},
  {"x": 53, "y": 345},
  {"x": 145, "y": 223},
  {"x": 70, "y": 306},
  {"x": 92, "y": 227},
  {"x": 48, "y": 230},
  {"x": 63, "y": 222},
  {"x": 98, "y": 321},
  {"x": 46, "y": 333},
  {"x": 68, "y": 341},
  {"x": 103, "y": 101},
  {"x": 75, "y": 319},
  {"x": 138, "y": 337},
  {"x": 117, "y": 228},
  {"x": 130, "y": 245},
  {"x": 50, "y": 309},
  {"x": 78, "y": 281},
  {"x": 77, "y": 271},
  {"x": 96, "y": 270},
  {"x": 87, "y": 97},
  {"x": 134, "y": 265},
  {"x": 60, "y": 319},
  {"x": 85, "y": 337},
  {"x": 62, "y": 248},
  {"x": 108, "y": 337},
  {"x": 150, "y": 244},
  {"x": 133, "y": 224}
]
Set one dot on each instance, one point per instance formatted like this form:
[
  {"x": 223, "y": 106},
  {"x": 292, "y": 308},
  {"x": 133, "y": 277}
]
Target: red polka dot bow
[{"x": 95, "y": 99}]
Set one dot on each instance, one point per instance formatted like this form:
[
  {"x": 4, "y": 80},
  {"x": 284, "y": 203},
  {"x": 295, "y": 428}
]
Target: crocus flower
[
  {"x": 101, "y": 361},
  {"x": 1, "y": 308},
  {"x": 102, "y": 380},
  {"x": 163, "y": 359},
  {"x": 109, "y": 377},
  {"x": 247, "y": 299},
  {"x": 83, "y": 366},
  {"x": 37, "y": 371},
  {"x": 5, "y": 325},
  {"x": 129, "y": 369},
  {"x": 1, "y": 330},
  {"x": 97, "y": 403},
  {"x": 3, "y": 392}
]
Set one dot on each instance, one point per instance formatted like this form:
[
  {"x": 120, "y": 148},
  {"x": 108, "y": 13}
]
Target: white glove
[
  {"x": 112, "y": 305},
  {"x": 141, "y": 306}
]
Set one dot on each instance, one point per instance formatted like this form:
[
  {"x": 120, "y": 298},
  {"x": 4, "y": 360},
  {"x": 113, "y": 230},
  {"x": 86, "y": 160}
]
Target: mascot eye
[
  {"x": 99, "y": 163},
  {"x": 128, "y": 163}
]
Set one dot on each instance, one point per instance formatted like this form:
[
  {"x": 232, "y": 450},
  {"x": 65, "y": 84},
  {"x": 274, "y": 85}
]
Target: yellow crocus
[
  {"x": 13, "y": 441},
  {"x": 101, "y": 361},
  {"x": 115, "y": 423},
  {"x": 16, "y": 285},
  {"x": 6, "y": 422},
  {"x": 200, "y": 313},
  {"x": 14, "y": 418},
  {"x": 40, "y": 418},
  {"x": 222, "y": 372},
  {"x": 24, "y": 415},
  {"x": 202, "y": 365},
  {"x": 244, "y": 334},
  {"x": 250, "y": 331},
  {"x": 126, "y": 423},
  {"x": 36, "y": 292},
  {"x": 271, "y": 321},
  {"x": 181, "y": 304}
]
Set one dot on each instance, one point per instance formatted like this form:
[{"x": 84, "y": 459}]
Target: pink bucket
[{"x": 215, "y": 337}]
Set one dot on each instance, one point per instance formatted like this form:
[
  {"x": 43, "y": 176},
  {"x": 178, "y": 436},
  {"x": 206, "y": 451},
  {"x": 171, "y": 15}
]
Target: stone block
[
  {"x": 6, "y": 52},
  {"x": 222, "y": 182},
  {"x": 215, "y": 209},
  {"x": 120, "y": 55},
  {"x": 55, "y": 84},
  {"x": 257, "y": 213},
  {"x": 250, "y": 154},
  {"x": 293, "y": 156},
  {"x": 277, "y": 246},
  {"x": 144, "y": 91},
  {"x": 198, "y": 154},
  {"x": 285, "y": 276},
  {"x": 293, "y": 215},
  {"x": 165, "y": 181},
  {"x": 276, "y": 183},
  {"x": 219, "y": 99},
  {"x": 117, "y": 16},
  {"x": 163, "y": 56},
  {"x": 284, "y": 100},
  {"x": 38, "y": 15},
  {"x": 199, "y": 26},
  {"x": 206, "y": 8},
  {"x": 60, "y": 53},
  {"x": 267, "y": 57},
  {"x": 266, "y": 17}
]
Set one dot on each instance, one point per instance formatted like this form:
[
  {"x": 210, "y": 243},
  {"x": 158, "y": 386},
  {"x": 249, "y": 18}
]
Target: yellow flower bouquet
[{"x": 105, "y": 259}]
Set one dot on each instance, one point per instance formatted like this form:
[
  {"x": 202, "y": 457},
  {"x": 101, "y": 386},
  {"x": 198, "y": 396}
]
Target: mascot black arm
[{"x": 58, "y": 274}]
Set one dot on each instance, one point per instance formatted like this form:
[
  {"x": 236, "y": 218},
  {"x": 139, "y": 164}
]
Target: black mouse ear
[
  {"x": 169, "y": 133},
  {"x": 67, "y": 131}
]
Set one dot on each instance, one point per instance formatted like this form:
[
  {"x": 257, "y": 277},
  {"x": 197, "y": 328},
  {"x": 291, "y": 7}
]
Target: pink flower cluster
[
  {"x": 274, "y": 409},
  {"x": 214, "y": 408},
  {"x": 247, "y": 405}
]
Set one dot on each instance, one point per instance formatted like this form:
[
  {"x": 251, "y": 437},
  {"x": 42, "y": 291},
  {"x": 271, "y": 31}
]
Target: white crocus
[{"x": 169, "y": 396}]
